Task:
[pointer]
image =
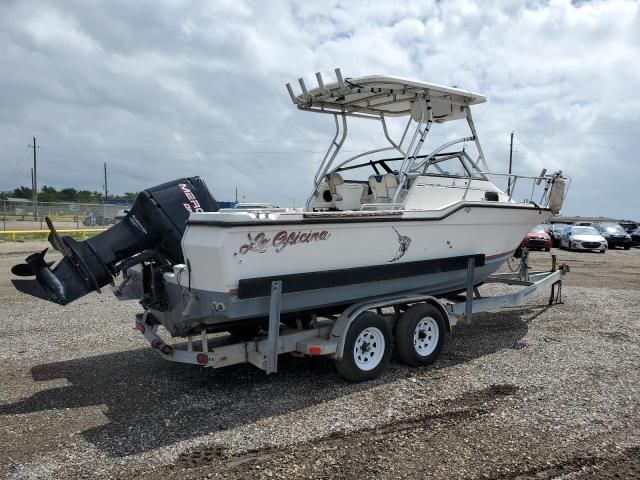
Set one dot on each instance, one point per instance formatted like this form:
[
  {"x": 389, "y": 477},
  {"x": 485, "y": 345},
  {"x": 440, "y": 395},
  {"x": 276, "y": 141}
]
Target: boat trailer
[{"x": 355, "y": 339}]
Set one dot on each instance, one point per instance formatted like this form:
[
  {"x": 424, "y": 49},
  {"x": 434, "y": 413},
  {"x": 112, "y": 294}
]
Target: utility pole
[
  {"x": 106, "y": 193},
  {"x": 236, "y": 193},
  {"x": 34, "y": 182},
  {"x": 510, "y": 163}
]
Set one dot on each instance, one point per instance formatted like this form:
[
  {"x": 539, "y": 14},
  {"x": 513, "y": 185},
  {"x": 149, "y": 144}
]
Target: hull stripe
[{"x": 299, "y": 282}]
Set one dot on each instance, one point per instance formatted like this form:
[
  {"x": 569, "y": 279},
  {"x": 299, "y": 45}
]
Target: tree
[
  {"x": 84, "y": 196},
  {"x": 48, "y": 194},
  {"x": 68, "y": 195},
  {"x": 23, "y": 192}
]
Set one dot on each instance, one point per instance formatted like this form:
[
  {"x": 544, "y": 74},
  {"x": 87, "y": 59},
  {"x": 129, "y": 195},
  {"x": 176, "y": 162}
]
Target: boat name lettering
[{"x": 260, "y": 243}]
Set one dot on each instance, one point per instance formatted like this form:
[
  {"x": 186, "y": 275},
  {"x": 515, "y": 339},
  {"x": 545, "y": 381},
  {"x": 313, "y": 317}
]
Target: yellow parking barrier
[{"x": 14, "y": 233}]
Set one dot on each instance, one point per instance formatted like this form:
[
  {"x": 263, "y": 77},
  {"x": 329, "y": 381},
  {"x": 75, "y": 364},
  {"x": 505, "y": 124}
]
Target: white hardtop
[{"x": 384, "y": 95}]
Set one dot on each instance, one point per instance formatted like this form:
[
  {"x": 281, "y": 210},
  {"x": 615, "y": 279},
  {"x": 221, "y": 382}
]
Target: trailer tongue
[{"x": 151, "y": 231}]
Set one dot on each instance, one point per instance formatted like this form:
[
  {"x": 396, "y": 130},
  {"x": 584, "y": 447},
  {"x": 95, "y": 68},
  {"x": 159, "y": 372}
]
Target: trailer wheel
[
  {"x": 367, "y": 348},
  {"x": 420, "y": 335}
]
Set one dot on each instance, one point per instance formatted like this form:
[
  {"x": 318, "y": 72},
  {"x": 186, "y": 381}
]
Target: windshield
[
  {"x": 539, "y": 229},
  {"x": 613, "y": 228},
  {"x": 450, "y": 167},
  {"x": 456, "y": 164},
  {"x": 584, "y": 231}
]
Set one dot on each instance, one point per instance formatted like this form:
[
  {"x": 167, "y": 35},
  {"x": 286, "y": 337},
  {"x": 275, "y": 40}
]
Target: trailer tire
[
  {"x": 367, "y": 348},
  {"x": 420, "y": 335}
]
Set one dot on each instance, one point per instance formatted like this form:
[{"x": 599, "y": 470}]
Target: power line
[
  {"x": 106, "y": 191},
  {"x": 34, "y": 180}
]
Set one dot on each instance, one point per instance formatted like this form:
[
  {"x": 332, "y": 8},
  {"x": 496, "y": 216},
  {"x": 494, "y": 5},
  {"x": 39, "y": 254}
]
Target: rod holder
[
  {"x": 291, "y": 94},
  {"x": 305, "y": 93},
  {"x": 343, "y": 87},
  {"x": 320, "y": 81}
]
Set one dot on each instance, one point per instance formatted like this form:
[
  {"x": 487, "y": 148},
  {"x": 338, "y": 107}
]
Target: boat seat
[
  {"x": 334, "y": 182},
  {"x": 322, "y": 199},
  {"x": 350, "y": 196},
  {"x": 383, "y": 187},
  {"x": 345, "y": 196}
]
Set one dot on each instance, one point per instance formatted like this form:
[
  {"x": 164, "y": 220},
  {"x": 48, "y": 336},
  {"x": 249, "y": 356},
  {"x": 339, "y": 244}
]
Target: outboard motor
[{"x": 152, "y": 229}]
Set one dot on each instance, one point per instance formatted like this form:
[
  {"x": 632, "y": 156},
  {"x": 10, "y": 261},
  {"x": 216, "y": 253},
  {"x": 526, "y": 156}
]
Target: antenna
[{"x": 510, "y": 163}]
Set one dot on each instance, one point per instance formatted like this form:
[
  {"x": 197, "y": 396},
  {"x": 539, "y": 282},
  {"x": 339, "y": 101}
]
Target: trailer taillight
[{"x": 202, "y": 358}]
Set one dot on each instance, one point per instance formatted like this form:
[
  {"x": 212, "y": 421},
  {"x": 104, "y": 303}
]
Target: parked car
[
  {"x": 537, "y": 239},
  {"x": 615, "y": 235},
  {"x": 635, "y": 237},
  {"x": 583, "y": 238},
  {"x": 629, "y": 225},
  {"x": 555, "y": 230}
]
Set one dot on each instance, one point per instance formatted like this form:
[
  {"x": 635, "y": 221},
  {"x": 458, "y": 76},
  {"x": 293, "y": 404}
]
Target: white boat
[{"x": 387, "y": 220}]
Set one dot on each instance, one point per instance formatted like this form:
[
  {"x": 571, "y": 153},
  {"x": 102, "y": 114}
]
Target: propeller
[{"x": 34, "y": 263}]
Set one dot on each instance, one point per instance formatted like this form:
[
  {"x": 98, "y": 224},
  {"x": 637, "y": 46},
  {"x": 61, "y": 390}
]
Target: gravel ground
[{"x": 529, "y": 392}]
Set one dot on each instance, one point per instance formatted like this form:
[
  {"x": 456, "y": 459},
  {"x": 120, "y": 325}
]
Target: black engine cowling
[{"x": 153, "y": 228}]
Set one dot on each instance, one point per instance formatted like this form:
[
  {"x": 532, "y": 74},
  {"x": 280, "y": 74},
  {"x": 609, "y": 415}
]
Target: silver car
[{"x": 583, "y": 238}]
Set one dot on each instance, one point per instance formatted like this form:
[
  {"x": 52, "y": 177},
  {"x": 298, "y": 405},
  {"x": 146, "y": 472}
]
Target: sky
[{"x": 164, "y": 89}]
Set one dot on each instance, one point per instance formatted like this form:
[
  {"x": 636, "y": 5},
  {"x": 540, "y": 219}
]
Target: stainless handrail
[
  {"x": 326, "y": 162},
  {"x": 438, "y": 150}
]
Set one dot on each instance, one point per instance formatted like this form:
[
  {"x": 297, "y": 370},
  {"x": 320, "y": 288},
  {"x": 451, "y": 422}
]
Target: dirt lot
[{"x": 526, "y": 392}]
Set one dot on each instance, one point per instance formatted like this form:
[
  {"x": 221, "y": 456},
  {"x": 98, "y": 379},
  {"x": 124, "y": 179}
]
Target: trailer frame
[{"x": 326, "y": 336}]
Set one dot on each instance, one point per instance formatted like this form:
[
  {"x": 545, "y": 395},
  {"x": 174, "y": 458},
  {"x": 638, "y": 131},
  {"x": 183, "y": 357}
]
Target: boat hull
[{"x": 325, "y": 264}]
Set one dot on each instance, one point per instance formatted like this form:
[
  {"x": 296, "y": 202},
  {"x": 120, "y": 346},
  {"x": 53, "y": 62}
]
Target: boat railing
[{"x": 543, "y": 181}]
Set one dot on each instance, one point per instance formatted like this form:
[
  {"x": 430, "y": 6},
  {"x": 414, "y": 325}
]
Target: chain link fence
[{"x": 16, "y": 214}]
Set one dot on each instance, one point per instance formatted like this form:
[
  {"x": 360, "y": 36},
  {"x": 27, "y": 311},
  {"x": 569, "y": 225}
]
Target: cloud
[{"x": 165, "y": 89}]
